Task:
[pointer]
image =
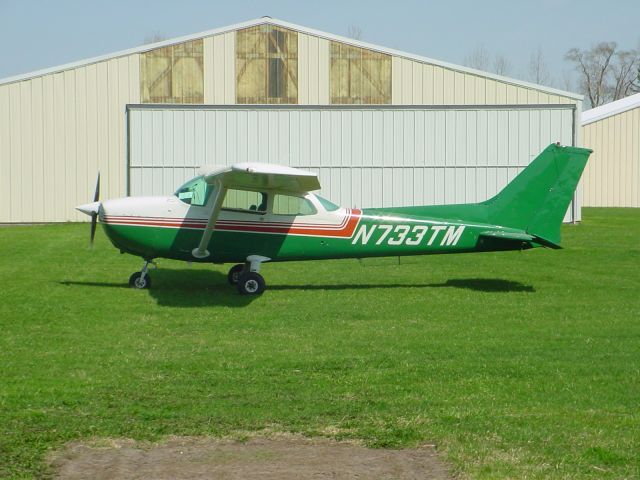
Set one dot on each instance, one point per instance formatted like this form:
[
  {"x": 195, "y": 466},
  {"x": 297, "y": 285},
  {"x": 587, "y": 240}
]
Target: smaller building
[{"x": 612, "y": 176}]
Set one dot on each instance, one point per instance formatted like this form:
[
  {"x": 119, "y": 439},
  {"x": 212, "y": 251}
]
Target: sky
[{"x": 45, "y": 33}]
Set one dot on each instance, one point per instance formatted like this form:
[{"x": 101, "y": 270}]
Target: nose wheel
[{"x": 141, "y": 280}]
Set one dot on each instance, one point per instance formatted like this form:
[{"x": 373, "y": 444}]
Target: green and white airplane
[{"x": 251, "y": 213}]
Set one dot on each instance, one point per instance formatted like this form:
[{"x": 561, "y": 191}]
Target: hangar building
[
  {"x": 612, "y": 176},
  {"x": 380, "y": 126}
]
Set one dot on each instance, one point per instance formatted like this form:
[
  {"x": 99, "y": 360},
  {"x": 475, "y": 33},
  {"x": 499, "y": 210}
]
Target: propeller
[{"x": 94, "y": 214}]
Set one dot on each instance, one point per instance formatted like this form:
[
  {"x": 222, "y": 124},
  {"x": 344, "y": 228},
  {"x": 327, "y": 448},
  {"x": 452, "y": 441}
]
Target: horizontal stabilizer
[{"x": 518, "y": 237}]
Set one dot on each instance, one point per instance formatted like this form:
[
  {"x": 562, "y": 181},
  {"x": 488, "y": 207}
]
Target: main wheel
[
  {"x": 234, "y": 274},
  {"x": 136, "y": 281},
  {"x": 251, "y": 283}
]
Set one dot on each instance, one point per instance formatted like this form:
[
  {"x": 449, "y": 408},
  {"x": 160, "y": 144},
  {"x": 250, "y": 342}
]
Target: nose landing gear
[{"x": 141, "y": 280}]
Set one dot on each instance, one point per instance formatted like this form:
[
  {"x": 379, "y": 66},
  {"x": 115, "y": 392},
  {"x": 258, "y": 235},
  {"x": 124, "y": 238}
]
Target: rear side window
[
  {"x": 290, "y": 205},
  {"x": 328, "y": 206},
  {"x": 245, "y": 201}
]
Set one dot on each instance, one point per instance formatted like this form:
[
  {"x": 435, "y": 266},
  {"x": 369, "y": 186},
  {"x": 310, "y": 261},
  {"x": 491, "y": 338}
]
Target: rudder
[{"x": 537, "y": 199}]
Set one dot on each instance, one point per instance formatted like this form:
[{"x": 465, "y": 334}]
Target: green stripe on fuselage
[{"x": 375, "y": 235}]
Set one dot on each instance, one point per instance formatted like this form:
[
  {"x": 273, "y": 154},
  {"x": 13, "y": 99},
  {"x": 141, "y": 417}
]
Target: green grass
[{"x": 515, "y": 364}]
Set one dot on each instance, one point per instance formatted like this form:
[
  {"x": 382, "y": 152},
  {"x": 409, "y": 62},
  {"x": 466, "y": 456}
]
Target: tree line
[{"x": 605, "y": 72}]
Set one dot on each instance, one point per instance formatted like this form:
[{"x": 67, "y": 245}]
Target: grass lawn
[{"x": 515, "y": 364}]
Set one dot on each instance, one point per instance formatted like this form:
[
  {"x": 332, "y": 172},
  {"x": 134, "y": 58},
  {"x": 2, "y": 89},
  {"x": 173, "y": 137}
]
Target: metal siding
[
  {"x": 58, "y": 130},
  {"x": 5, "y": 154},
  {"x": 365, "y": 156},
  {"x": 61, "y": 127},
  {"x": 219, "y": 69},
  {"x": 313, "y": 70},
  {"x": 612, "y": 176}
]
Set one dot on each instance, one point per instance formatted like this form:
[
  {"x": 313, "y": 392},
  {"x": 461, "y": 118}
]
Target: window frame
[
  {"x": 279, "y": 66},
  {"x": 175, "y": 74},
  {"x": 352, "y": 63},
  {"x": 209, "y": 189}
]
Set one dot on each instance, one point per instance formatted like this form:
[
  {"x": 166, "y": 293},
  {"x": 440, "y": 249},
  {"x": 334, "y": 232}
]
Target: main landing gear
[
  {"x": 246, "y": 277},
  {"x": 141, "y": 280}
]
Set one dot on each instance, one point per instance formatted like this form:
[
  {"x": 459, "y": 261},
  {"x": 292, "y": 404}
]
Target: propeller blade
[
  {"x": 96, "y": 196},
  {"x": 94, "y": 214},
  {"x": 94, "y": 223}
]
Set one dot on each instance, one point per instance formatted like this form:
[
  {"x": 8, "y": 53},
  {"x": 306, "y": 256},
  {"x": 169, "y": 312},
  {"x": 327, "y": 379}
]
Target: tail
[{"x": 537, "y": 199}]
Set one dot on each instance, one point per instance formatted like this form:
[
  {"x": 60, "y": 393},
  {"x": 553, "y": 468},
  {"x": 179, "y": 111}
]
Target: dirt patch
[{"x": 289, "y": 457}]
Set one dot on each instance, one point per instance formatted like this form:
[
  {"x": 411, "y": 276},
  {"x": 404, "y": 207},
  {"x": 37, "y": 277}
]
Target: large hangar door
[{"x": 365, "y": 156}]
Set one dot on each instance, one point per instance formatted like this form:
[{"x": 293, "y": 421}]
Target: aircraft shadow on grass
[
  {"x": 476, "y": 284},
  {"x": 201, "y": 288},
  {"x": 184, "y": 288}
]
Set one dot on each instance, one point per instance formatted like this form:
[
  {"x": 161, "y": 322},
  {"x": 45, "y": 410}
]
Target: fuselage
[{"x": 167, "y": 227}]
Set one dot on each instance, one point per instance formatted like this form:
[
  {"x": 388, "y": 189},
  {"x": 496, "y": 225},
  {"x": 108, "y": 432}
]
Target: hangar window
[
  {"x": 246, "y": 201},
  {"x": 359, "y": 76},
  {"x": 290, "y": 205},
  {"x": 173, "y": 74},
  {"x": 266, "y": 65}
]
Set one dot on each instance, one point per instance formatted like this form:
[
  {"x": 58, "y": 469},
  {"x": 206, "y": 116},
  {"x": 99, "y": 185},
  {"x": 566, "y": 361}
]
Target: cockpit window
[
  {"x": 195, "y": 192},
  {"x": 328, "y": 206}
]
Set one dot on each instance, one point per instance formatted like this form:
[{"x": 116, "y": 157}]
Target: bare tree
[
  {"x": 567, "y": 81},
  {"x": 354, "y": 31},
  {"x": 635, "y": 86},
  {"x": 480, "y": 59},
  {"x": 501, "y": 65},
  {"x": 538, "y": 69},
  {"x": 606, "y": 73},
  {"x": 154, "y": 38},
  {"x": 625, "y": 73}
]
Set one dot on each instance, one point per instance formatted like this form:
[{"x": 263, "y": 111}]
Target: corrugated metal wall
[
  {"x": 220, "y": 69},
  {"x": 365, "y": 156},
  {"x": 58, "y": 129},
  {"x": 612, "y": 176},
  {"x": 415, "y": 83},
  {"x": 313, "y": 70},
  {"x": 56, "y": 132}
]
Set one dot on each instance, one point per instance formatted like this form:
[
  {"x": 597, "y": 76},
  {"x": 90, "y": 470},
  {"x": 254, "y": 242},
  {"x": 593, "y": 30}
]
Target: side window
[
  {"x": 246, "y": 201},
  {"x": 289, "y": 205},
  {"x": 328, "y": 206}
]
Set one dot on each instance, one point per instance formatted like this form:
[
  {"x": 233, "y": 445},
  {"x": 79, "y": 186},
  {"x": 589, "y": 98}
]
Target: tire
[
  {"x": 251, "y": 283},
  {"x": 136, "y": 281},
  {"x": 234, "y": 274}
]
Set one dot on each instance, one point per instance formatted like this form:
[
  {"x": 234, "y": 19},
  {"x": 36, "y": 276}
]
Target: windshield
[
  {"x": 195, "y": 192},
  {"x": 328, "y": 206}
]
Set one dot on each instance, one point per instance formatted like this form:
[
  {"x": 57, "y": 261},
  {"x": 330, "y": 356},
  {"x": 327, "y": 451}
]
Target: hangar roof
[
  {"x": 609, "y": 109},
  {"x": 299, "y": 28}
]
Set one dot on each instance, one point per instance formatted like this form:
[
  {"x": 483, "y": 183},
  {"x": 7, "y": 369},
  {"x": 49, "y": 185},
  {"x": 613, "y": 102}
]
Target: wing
[{"x": 262, "y": 176}]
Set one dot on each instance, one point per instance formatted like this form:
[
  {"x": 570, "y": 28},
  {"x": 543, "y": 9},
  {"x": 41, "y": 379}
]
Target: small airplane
[{"x": 251, "y": 213}]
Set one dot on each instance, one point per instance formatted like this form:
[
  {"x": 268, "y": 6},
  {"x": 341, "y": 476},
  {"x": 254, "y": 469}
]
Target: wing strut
[{"x": 201, "y": 251}]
